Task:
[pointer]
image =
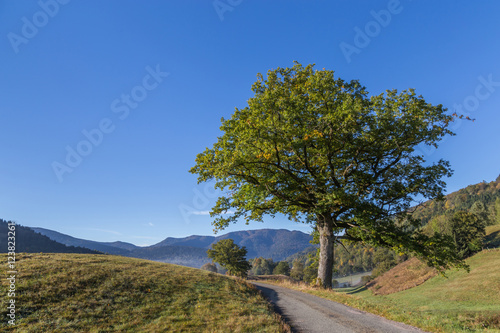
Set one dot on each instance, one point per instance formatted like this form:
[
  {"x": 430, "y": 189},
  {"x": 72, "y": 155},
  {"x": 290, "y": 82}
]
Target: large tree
[{"x": 319, "y": 150}]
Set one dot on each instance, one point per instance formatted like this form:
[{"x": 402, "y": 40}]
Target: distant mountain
[
  {"x": 277, "y": 244},
  {"x": 27, "y": 240},
  {"x": 118, "y": 248},
  {"x": 192, "y": 250},
  {"x": 196, "y": 241},
  {"x": 121, "y": 245}
]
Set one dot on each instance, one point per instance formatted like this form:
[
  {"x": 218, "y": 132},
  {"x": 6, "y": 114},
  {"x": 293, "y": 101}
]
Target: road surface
[{"x": 309, "y": 313}]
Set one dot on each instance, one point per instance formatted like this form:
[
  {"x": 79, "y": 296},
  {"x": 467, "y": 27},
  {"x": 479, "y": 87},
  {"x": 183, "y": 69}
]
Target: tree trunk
[{"x": 326, "y": 242}]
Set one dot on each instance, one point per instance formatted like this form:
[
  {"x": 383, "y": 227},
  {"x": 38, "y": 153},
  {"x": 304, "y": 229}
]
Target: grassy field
[
  {"x": 100, "y": 293},
  {"x": 462, "y": 302}
]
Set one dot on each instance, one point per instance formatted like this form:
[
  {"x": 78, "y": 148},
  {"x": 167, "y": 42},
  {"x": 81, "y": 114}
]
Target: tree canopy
[
  {"x": 282, "y": 268},
  {"x": 230, "y": 256},
  {"x": 468, "y": 231},
  {"x": 319, "y": 150}
]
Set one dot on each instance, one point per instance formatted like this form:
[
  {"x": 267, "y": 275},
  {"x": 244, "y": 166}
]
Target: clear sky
[{"x": 105, "y": 104}]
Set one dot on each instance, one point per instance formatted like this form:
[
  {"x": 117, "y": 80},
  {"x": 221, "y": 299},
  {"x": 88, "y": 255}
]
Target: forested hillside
[
  {"x": 26, "y": 240},
  {"x": 464, "y": 199}
]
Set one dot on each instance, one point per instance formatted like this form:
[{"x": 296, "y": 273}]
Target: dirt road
[{"x": 308, "y": 313}]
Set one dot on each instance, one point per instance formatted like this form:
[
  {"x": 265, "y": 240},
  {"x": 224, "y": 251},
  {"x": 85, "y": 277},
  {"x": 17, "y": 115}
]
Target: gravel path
[{"x": 308, "y": 313}]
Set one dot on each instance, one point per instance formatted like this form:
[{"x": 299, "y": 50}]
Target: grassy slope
[
  {"x": 99, "y": 293},
  {"x": 461, "y": 302},
  {"x": 406, "y": 275}
]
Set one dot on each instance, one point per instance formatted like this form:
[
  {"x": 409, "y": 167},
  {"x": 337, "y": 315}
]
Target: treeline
[
  {"x": 463, "y": 216},
  {"x": 349, "y": 259},
  {"x": 462, "y": 200},
  {"x": 27, "y": 240}
]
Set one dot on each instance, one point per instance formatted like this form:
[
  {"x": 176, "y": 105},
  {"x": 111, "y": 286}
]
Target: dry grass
[
  {"x": 406, "y": 275},
  {"x": 264, "y": 278},
  {"x": 100, "y": 293}
]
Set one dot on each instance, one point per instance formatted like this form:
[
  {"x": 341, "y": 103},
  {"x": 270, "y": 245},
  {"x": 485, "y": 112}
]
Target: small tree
[
  {"x": 311, "y": 273},
  {"x": 283, "y": 268},
  {"x": 468, "y": 232},
  {"x": 209, "y": 266},
  {"x": 297, "y": 271},
  {"x": 230, "y": 256}
]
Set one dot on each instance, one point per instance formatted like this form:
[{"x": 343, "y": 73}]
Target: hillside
[
  {"x": 26, "y": 240},
  {"x": 119, "y": 248},
  {"x": 462, "y": 301},
  {"x": 98, "y": 293},
  {"x": 406, "y": 275},
  {"x": 463, "y": 199}
]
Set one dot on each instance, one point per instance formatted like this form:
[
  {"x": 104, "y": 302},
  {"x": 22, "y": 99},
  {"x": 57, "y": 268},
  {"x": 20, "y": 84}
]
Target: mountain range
[
  {"x": 277, "y": 244},
  {"x": 24, "y": 239}
]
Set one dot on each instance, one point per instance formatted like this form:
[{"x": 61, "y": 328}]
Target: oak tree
[{"x": 320, "y": 150}]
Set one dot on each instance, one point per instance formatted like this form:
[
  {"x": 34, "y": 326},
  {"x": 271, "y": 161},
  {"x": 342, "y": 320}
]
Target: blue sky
[{"x": 139, "y": 88}]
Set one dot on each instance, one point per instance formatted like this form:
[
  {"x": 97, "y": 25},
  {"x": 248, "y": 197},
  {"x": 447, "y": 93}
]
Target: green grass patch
[
  {"x": 492, "y": 238},
  {"x": 101, "y": 293},
  {"x": 462, "y": 302}
]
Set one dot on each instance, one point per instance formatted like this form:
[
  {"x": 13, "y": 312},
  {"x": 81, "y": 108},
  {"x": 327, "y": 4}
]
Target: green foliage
[
  {"x": 282, "y": 268},
  {"x": 479, "y": 209},
  {"x": 211, "y": 267},
  {"x": 317, "y": 149},
  {"x": 468, "y": 233},
  {"x": 230, "y": 256},
  {"x": 311, "y": 273},
  {"x": 297, "y": 271},
  {"x": 353, "y": 258},
  {"x": 496, "y": 209},
  {"x": 485, "y": 194},
  {"x": 261, "y": 266},
  {"x": 439, "y": 224}
]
